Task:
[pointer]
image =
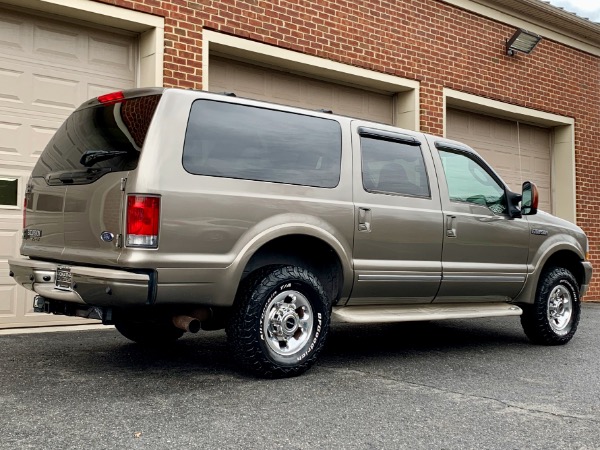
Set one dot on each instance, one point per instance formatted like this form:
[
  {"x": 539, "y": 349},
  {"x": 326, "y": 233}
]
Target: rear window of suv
[
  {"x": 97, "y": 140},
  {"x": 250, "y": 143}
]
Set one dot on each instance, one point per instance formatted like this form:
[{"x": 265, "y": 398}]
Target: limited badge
[{"x": 107, "y": 236}]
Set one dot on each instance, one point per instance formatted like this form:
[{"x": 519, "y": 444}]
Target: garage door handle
[{"x": 451, "y": 226}]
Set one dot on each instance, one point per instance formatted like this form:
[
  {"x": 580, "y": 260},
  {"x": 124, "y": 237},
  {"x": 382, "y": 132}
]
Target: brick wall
[{"x": 425, "y": 40}]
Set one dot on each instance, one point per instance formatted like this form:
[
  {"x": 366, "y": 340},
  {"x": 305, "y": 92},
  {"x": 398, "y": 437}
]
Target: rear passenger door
[{"x": 398, "y": 221}]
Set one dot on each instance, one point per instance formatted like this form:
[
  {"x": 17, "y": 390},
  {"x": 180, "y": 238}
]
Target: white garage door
[
  {"x": 518, "y": 152},
  {"x": 250, "y": 81},
  {"x": 47, "y": 69}
]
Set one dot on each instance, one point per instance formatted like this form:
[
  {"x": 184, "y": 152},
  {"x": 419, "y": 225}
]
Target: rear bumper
[{"x": 90, "y": 285}]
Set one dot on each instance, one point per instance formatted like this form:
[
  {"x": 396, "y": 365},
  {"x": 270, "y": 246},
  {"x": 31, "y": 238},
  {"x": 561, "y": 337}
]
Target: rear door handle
[
  {"x": 364, "y": 219},
  {"x": 451, "y": 226}
]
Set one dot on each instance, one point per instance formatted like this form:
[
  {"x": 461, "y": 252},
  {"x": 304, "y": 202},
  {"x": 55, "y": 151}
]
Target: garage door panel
[
  {"x": 8, "y": 298},
  {"x": 285, "y": 89},
  {"x": 378, "y": 107},
  {"x": 261, "y": 83},
  {"x": 348, "y": 100},
  {"x": 39, "y": 137},
  {"x": 13, "y": 84},
  {"x": 317, "y": 94},
  {"x": 55, "y": 93},
  {"x": 53, "y": 41},
  {"x": 482, "y": 128},
  {"x": 10, "y": 137},
  {"x": 22, "y": 137},
  {"x": 117, "y": 54},
  {"x": 14, "y": 37},
  {"x": 8, "y": 241},
  {"x": 250, "y": 81},
  {"x": 504, "y": 132}
]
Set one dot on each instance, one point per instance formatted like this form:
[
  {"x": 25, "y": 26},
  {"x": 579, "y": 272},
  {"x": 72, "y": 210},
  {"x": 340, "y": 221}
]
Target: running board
[{"x": 412, "y": 313}]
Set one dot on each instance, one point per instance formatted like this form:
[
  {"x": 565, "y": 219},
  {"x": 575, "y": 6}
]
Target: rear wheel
[
  {"x": 280, "y": 321},
  {"x": 554, "y": 316},
  {"x": 149, "y": 333}
]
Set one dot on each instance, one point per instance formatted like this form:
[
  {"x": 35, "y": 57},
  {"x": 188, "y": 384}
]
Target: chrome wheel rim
[
  {"x": 560, "y": 309},
  {"x": 287, "y": 323}
]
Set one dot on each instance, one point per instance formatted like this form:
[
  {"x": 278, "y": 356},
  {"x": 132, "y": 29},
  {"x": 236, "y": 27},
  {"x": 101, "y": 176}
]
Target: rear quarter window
[{"x": 250, "y": 143}]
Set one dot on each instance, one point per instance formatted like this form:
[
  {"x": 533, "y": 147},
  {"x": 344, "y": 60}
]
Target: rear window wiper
[{"x": 91, "y": 157}]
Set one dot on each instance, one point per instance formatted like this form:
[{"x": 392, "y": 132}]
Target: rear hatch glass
[
  {"x": 80, "y": 171},
  {"x": 97, "y": 140}
]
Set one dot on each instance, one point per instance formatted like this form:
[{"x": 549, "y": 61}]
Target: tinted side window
[
  {"x": 393, "y": 167},
  {"x": 469, "y": 182},
  {"x": 238, "y": 141}
]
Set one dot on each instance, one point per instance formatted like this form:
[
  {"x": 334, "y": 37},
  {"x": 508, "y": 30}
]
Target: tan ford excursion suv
[{"x": 163, "y": 211}]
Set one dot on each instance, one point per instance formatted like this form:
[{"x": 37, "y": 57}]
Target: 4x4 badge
[
  {"x": 107, "y": 236},
  {"x": 539, "y": 232}
]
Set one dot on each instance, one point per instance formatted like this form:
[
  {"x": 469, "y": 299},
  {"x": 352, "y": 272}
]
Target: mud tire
[
  {"x": 543, "y": 322},
  {"x": 249, "y": 332}
]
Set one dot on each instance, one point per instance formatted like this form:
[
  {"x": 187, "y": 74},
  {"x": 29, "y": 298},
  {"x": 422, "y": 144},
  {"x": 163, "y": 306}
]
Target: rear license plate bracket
[{"x": 64, "y": 278}]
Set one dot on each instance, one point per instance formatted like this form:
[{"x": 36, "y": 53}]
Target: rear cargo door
[{"x": 78, "y": 183}]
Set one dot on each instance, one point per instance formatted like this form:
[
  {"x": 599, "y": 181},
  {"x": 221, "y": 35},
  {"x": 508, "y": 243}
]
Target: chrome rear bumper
[{"x": 90, "y": 285}]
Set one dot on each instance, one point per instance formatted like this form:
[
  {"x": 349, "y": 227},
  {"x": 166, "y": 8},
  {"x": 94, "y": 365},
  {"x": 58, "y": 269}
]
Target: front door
[{"x": 485, "y": 250}]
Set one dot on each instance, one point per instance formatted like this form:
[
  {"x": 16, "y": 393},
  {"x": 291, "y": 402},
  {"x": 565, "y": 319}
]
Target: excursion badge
[{"x": 32, "y": 234}]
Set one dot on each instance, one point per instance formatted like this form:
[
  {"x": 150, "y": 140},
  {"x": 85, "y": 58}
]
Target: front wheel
[
  {"x": 554, "y": 315},
  {"x": 280, "y": 321}
]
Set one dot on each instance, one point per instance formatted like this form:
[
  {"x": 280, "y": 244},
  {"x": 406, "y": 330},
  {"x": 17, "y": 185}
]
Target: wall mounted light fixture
[{"x": 522, "y": 41}]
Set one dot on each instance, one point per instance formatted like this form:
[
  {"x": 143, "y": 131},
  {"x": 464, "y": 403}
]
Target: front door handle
[
  {"x": 451, "y": 226},
  {"x": 364, "y": 219}
]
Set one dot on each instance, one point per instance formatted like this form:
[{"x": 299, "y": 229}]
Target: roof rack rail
[
  {"x": 228, "y": 94},
  {"x": 328, "y": 111}
]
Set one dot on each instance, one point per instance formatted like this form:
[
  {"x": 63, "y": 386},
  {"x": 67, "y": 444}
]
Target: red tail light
[
  {"x": 113, "y": 97},
  {"x": 143, "y": 217}
]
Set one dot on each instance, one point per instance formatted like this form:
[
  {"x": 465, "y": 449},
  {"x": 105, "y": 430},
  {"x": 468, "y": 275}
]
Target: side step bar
[{"x": 412, "y": 313}]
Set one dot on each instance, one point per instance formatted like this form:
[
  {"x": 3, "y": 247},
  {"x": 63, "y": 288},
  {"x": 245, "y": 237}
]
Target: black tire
[
  {"x": 555, "y": 313},
  {"x": 280, "y": 322},
  {"x": 149, "y": 333}
]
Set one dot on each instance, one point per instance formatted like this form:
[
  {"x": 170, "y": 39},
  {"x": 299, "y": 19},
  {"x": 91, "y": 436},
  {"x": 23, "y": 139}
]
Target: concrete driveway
[{"x": 451, "y": 384}]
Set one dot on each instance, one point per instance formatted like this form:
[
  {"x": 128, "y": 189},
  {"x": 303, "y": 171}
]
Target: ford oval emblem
[{"x": 107, "y": 236}]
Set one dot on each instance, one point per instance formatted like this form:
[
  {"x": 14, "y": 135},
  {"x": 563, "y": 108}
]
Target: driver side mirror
[{"x": 531, "y": 197}]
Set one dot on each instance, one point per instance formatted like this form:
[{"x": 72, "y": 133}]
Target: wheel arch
[
  {"x": 305, "y": 246},
  {"x": 560, "y": 256}
]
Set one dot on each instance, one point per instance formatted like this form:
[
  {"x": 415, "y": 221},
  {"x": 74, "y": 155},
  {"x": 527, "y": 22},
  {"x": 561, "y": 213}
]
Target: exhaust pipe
[
  {"x": 187, "y": 323},
  {"x": 202, "y": 314},
  {"x": 192, "y": 322}
]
